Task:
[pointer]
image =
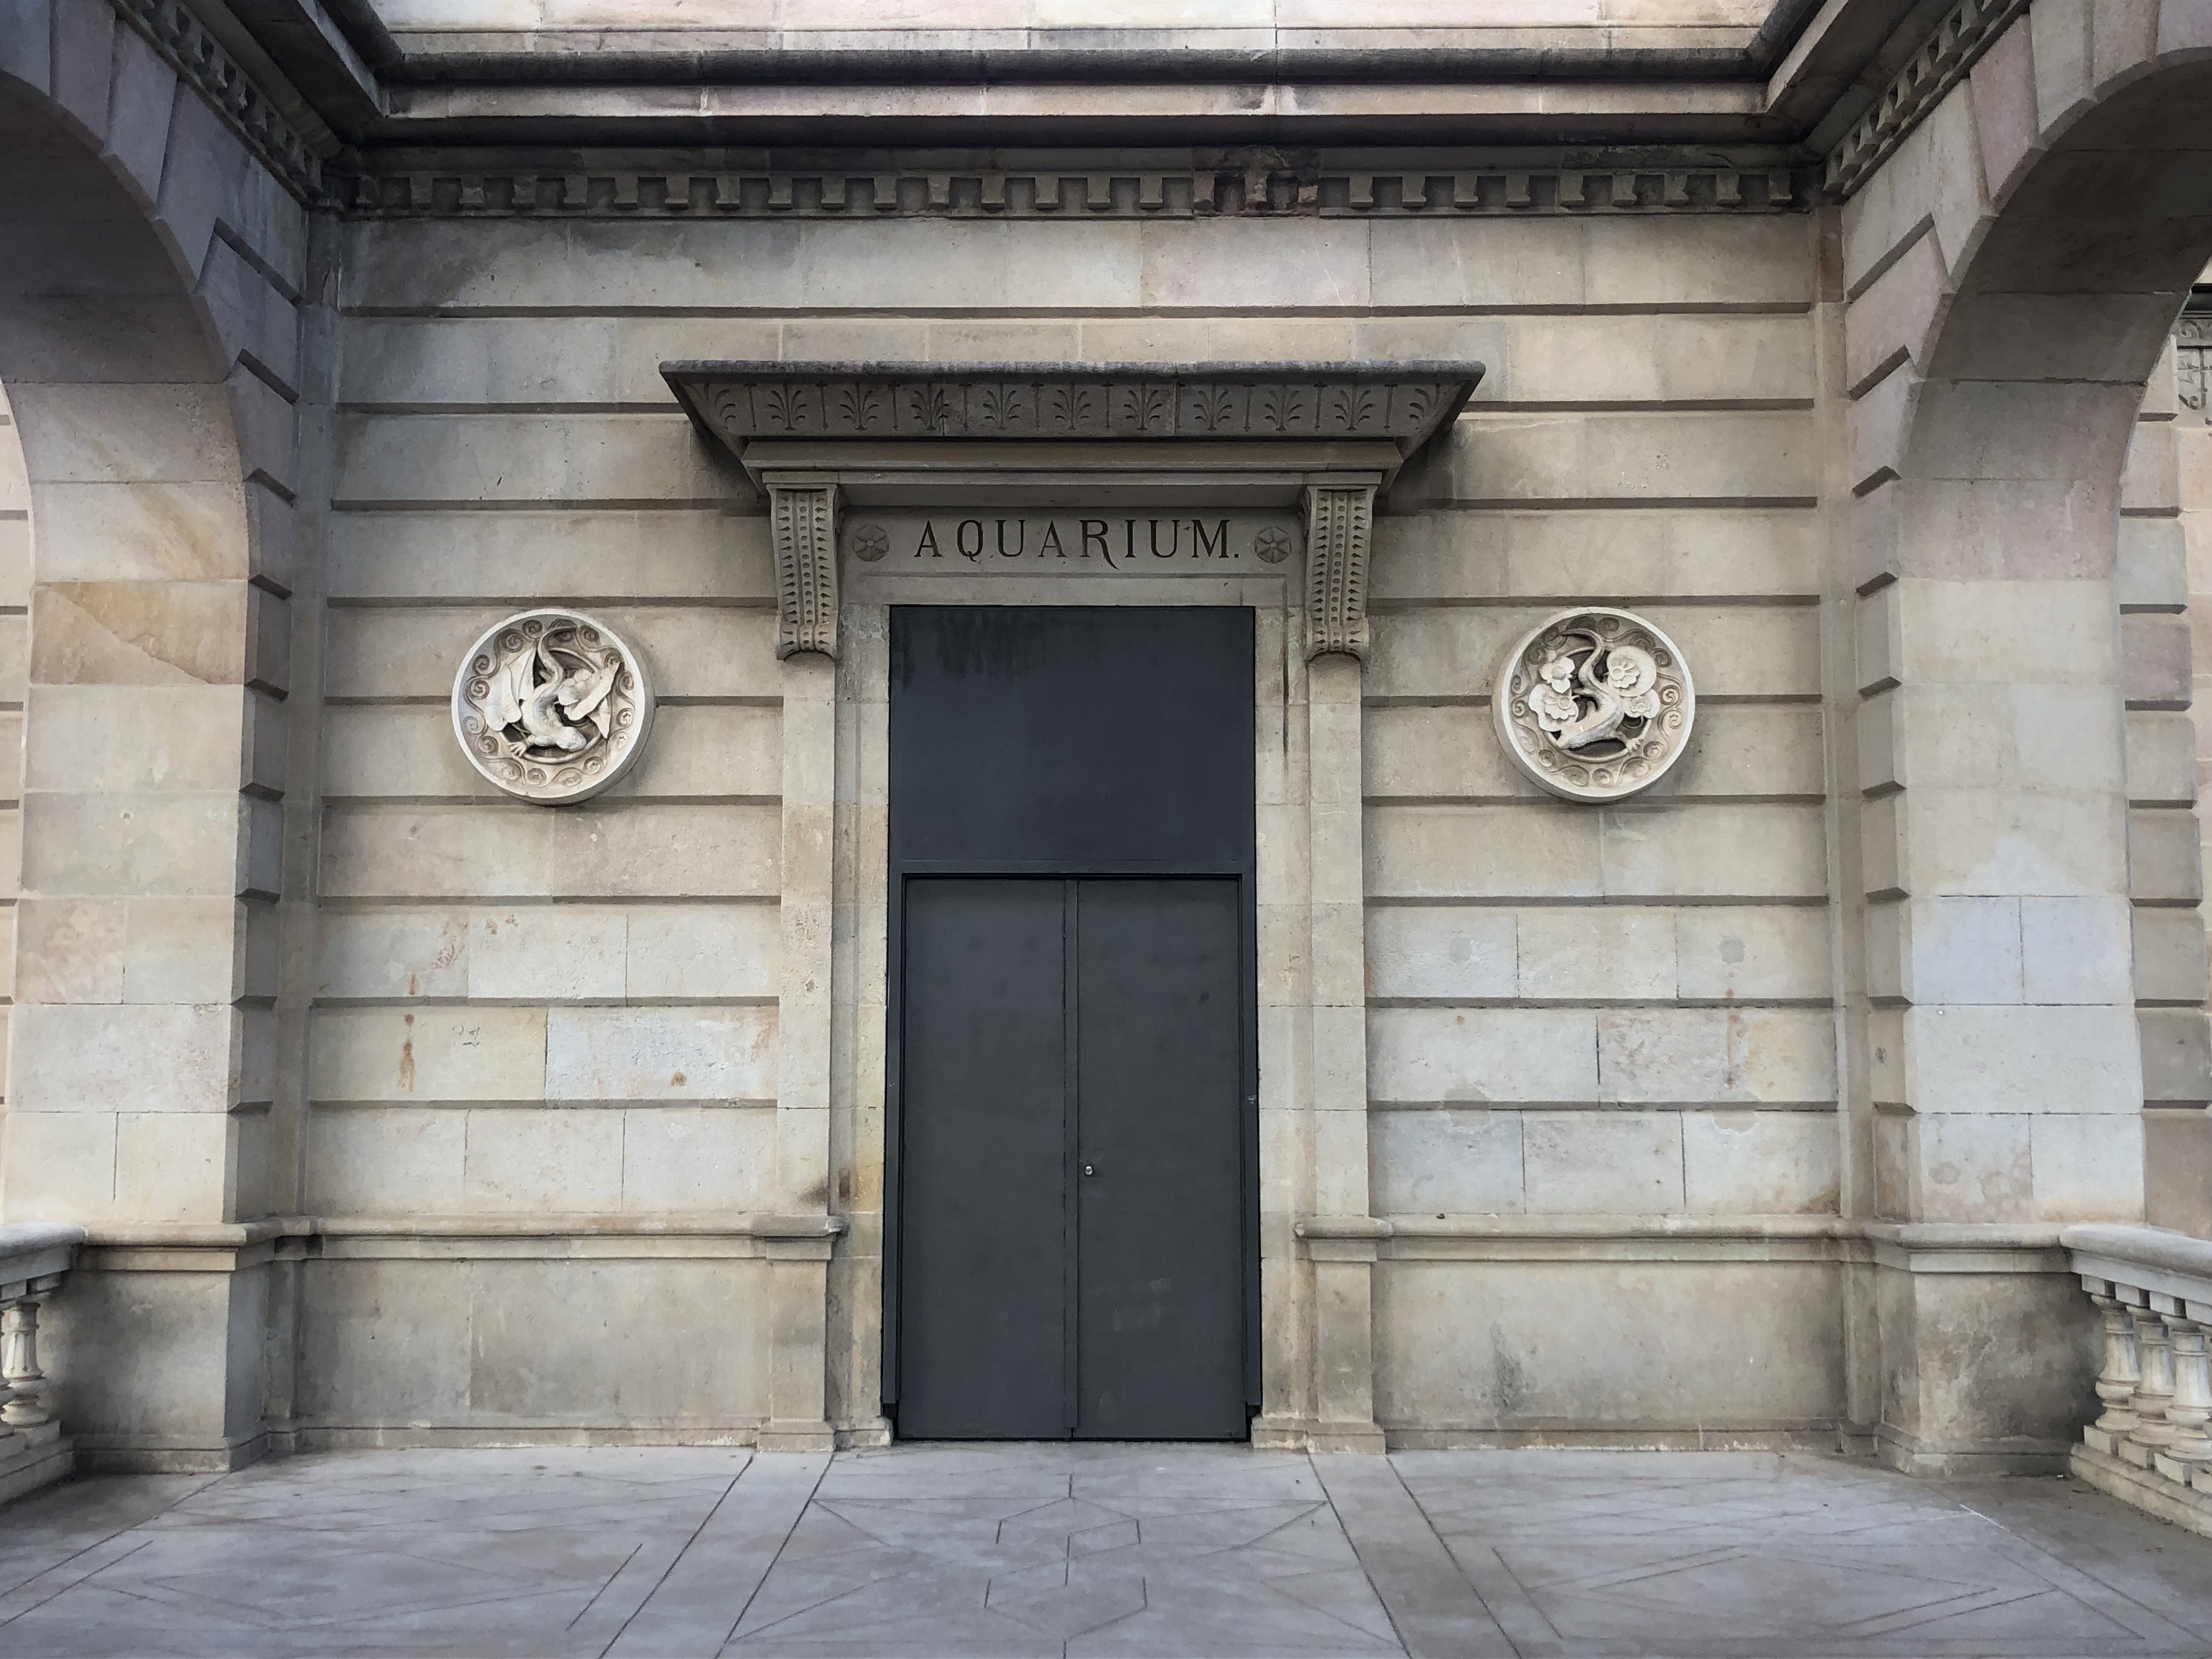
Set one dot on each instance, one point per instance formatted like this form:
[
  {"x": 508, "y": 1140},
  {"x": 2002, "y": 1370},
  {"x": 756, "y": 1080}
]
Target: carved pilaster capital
[
  {"x": 1339, "y": 527},
  {"x": 803, "y": 519}
]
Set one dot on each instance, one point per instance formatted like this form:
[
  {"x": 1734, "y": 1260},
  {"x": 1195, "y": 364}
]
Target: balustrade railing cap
[
  {"x": 2155, "y": 1248},
  {"x": 26, "y": 1237}
]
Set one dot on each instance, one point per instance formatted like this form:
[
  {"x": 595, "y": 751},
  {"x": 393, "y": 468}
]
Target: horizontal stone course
[
  {"x": 1541, "y": 850},
  {"x": 386, "y": 652},
  {"x": 1732, "y": 650},
  {"x": 526, "y": 458},
  {"x": 701, "y": 555},
  {"x": 1597, "y": 954},
  {"x": 1609, "y": 1055},
  {"x": 1761, "y": 1354},
  {"x": 1709, "y": 262},
  {"x": 395, "y": 362},
  {"x": 440, "y": 1053},
  {"x": 1689, "y": 455},
  {"x": 610, "y": 850},
  {"x": 410, "y": 751},
  {"x": 1430, "y": 753},
  {"x": 575, "y": 951},
  {"x": 497, "y": 1344},
  {"x": 1571, "y": 555}
]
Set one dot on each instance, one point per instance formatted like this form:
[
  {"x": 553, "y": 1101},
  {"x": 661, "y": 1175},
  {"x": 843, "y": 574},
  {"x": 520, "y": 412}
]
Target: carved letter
[
  {"x": 803, "y": 520},
  {"x": 1339, "y": 519},
  {"x": 1206, "y": 546}
]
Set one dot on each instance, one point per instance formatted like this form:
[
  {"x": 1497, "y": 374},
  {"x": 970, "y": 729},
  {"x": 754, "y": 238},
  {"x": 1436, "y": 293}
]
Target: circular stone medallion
[
  {"x": 1595, "y": 704},
  {"x": 551, "y": 706}
]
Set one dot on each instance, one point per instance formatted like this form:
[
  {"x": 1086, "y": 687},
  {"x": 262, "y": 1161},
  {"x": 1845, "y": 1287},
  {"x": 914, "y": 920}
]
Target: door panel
[
  {"x": 984, "y": 1345},
  {"x": 1071, "y": 858},
  {"x": 1139, "y": 1144},
  {"x": 1159, "y": 1133}
]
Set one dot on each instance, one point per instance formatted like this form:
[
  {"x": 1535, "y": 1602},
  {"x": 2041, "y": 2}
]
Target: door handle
[{"x": 1090, "y": 1168}]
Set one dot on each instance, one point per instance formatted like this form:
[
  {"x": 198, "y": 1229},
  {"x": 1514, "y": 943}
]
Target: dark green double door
[
  {"x": 1072, "y": 1152},
  {"x": 1073, "y": 1243}
]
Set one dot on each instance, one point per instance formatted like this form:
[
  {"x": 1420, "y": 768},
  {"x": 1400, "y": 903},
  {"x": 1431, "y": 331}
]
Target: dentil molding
[
  {"x": 1595, "y": 704},
  {"x": 1955, "y": 44},
  {"x": 552, "y": 706},
  {"x": 624, "y": 190}
]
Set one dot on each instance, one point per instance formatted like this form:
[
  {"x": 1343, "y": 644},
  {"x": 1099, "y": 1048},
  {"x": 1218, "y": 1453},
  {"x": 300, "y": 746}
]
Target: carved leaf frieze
[{"x": 777, "y": 401}]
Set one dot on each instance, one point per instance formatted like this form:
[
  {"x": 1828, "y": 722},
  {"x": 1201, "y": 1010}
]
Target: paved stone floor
[{"x": 1090, "y": 1550}]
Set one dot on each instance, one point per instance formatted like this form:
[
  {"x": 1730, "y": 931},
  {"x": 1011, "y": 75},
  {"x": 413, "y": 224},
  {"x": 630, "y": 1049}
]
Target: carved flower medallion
[
  {"x": 1595, "y": 704},
  {"x": 552, "y": 706}
]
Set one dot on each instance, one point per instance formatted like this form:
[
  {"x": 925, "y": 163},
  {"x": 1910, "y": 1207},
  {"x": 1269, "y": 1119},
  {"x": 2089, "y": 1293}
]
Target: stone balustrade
[
  {"x": 2150, "y": 1446},
  {"x": 34, "y": 1258}
]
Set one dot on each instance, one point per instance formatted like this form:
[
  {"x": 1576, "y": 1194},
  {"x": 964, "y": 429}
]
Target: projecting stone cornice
[
  {"x": 496, "y": 121},
  {"x": 1306, "y": 415}
]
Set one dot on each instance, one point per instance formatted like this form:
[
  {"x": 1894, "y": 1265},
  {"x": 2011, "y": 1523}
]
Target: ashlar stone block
[
  {"x": 1464, "y": 1161},
  {"x": 74, "y": 1057},
  {"x": 544, "y": 1158},
  {"x": 1761, "y": 1162},
  {"x": 1602, "y": 1163},
  {"x": 698, "y": 1157},
  {"x": 385, "y": 1160},
  {"x": 2021, "y": 1059},
  {"x": 661, "y": 1054},
  {"x": 1482, "y": 1055},
  {"x": 2169, "y": 961},
  {"x": 1598, "y": 954},
  {"x": 429, "y": 1053},
  {"x": 1766, "y": 1055},
  {"x": 1779, "y": 952},
  {"x": 1441, "y": 951}
]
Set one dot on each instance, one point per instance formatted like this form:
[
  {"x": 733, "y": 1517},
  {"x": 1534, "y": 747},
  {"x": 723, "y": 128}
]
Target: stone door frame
[{"x": 1200, "y": 436}]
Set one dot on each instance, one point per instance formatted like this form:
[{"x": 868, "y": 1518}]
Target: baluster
[
  {"x": 2116, "y": 1383},
  {"x": 19, "y": 1364},
  {"x": 2152, "y": 1392},
  {"x": 2192, "y": 1405}
]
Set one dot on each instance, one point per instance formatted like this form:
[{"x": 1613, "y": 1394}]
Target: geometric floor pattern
[{"x": 1070, "y": 1551}]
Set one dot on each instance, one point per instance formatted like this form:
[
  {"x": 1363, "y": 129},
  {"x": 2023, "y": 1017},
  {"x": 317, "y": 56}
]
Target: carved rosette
[
  {"x": 552, "y": 707},
  {"x": 1595, "y": 704}
]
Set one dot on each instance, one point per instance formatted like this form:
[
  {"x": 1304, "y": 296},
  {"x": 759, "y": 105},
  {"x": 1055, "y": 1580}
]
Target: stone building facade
[{"x": 1739, "y": 1107}]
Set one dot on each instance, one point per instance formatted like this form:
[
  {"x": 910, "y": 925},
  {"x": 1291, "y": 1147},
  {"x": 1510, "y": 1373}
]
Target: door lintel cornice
[{"x": 870, "y": 423}]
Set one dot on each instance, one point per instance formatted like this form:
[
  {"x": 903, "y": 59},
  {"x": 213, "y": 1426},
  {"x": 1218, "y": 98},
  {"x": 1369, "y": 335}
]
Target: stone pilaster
[
  {"x": 804, "y": 521},
  {"x": 1340, "y": 1237}
]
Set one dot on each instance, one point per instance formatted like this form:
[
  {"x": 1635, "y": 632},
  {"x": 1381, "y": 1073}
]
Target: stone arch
[
  {"x": 2012, "y": 273},
  {"x": 150, "y": 326}
]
